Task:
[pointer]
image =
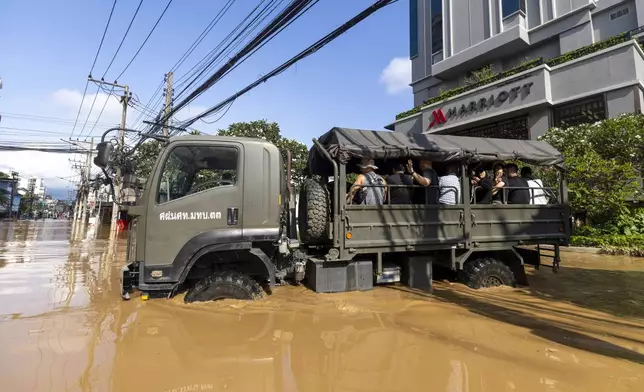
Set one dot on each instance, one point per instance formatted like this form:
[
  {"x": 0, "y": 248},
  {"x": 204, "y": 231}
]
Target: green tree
[
  {"x": 603, "y": 163},
  {"x": 270, "y": 132},
  {"x": 144, "y": 157}
]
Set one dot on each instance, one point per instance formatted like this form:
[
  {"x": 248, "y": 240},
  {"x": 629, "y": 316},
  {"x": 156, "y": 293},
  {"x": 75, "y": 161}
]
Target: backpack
[{"x": 377, "y": 193}]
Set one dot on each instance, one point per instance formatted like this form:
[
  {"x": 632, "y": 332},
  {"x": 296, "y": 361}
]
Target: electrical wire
[
  {"x": 291, "y": 11},
  {"x": 123, "y": 39},
  {"x": 213, "y": 22},
  {"x": 203, "y": 34},
  {"x": 145, "y": 41},
  {"x": 269, "y": 39},
  {"x": 220, "y": 117},
  {"x": 109, "y": 19},
  {"x": 241, "y": 52},
  {"x": 303, "y": 54},
  {"x": 43, "y": 119},
  {"x": 155, "y": 102},
  {"x": 179, "y": 81},
  {"x": 101, "y": 112}
]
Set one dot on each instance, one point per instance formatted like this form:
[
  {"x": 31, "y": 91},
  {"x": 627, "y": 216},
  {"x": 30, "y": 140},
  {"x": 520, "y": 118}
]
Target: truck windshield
[{"x": 191, "y": 169}]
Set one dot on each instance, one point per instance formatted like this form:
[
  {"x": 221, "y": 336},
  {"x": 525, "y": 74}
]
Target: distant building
[
  {"x": 6, "y": 186},
  {"x": 514, "y": 68},
  {"x": 33, "y": 185}
]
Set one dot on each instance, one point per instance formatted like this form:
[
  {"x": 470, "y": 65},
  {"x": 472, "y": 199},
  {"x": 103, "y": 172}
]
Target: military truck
[{"x": 217, "y": 219}]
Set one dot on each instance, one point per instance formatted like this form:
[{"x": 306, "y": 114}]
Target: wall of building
[
  {"x": 605, "y": 84},
  {"x": 604, "y": 27},
  {"x": 475, "y": 34}
]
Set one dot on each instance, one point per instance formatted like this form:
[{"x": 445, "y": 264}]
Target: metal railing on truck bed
[{"x": 417, "y": 227}]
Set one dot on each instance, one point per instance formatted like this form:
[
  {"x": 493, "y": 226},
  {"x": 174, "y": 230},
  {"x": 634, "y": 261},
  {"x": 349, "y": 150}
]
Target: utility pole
[
  {"x": 169, "y": 92},
  {"x": 85, "y": 169},
  {"x": 125, "y": 99},
  {"x": 88, "y": 170}
]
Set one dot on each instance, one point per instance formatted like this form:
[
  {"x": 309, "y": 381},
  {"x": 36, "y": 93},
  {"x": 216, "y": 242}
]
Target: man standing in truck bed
[{"x": 427, "y": 178}]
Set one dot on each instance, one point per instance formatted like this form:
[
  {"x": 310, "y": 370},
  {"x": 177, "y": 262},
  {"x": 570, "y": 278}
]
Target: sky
[{"x": 360, "y": 80}]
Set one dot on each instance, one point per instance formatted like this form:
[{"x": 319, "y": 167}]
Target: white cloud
[
  {"x": 67, "y": 102},
  {"x": 397, "y": 75},
  {"x": 62, "y": 103}
]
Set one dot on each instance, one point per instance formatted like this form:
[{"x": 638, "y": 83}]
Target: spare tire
[{"x": 314, "y": 212}]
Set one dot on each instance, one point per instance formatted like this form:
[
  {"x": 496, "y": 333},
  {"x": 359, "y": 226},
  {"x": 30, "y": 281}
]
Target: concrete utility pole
[
  {"x": 88, "y": 171},
  {"x": 169, "y": 92},
  {"x": 85, "y": 170},
  {"x": 125, "y": 99}
]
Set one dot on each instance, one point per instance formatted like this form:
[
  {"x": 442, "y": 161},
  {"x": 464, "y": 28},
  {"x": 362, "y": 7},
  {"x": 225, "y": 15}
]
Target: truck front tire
[
  {"x": 487, "y": 272},
  {"x": 225, "y": 284},
  {"x": 314, "y": 212}
]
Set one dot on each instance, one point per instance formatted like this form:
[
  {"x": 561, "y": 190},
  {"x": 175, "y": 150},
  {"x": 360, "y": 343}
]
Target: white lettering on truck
[{"x": 178, "y": 215}]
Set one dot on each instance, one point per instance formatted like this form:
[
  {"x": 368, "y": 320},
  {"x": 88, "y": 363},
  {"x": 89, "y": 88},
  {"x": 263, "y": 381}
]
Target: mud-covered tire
[
  {"x": 225, "y": 284},
  {"x": 314, "y": 212},
  {"x": 487, "y": 272}
]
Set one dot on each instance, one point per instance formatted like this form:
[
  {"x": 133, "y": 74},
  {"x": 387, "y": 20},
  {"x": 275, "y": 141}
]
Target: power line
[
  {"x": 123, "y": 39},
  {"x": 145, "y": 41},
  {"x": 214, "y": 58},
  {"x": 109, "y": 19},
  {"x": 272, "y": 28},
  {"x": 222, "y": 12},
  {"x": 43, "y": 119},
  {"x": 203, "y": 34},
  {"x": 101, "y": 112},
  {"x": 154, "y": 102},
  {"x": 303, "y": 54}
]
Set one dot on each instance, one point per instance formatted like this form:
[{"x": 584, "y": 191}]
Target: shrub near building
[{"x": 605, "y": 161}]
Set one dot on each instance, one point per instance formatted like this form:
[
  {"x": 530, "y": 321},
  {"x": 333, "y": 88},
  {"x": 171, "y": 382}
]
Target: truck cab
[{"x": 205, "y": 193}]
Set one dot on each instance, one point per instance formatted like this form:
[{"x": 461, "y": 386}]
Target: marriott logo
[{"x": 439, "y": 117}]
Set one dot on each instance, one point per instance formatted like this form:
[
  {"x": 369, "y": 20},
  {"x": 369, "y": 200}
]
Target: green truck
[{"x": 218, "y": 218}]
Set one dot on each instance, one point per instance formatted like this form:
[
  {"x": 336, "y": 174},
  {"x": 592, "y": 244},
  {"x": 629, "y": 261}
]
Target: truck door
[{"x": 195, "y": 201}]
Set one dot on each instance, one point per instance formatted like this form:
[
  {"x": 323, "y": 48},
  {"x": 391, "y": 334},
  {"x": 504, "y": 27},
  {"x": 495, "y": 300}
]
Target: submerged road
[{"x": 64, "y": 327}]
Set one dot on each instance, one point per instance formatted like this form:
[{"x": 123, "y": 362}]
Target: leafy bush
[
  {"x": 610, "y": 240},
  {"x": 632, "y": 245},
  {"x": 589, "y": 49},
  {"x": 603, "y": 161}
]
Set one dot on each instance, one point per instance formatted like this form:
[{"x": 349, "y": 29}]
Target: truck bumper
[{"x": 129, "y": 279}]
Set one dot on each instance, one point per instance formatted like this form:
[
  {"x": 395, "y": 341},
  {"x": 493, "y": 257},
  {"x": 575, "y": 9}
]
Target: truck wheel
[
  {"x": 487, "y": 272},
  {"x": 314, "y": 212},
  {"x": 225, "y": 284}
]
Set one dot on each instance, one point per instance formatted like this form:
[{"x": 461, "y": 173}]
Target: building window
[
  {"x": 619, "y": 14},
  {"x": 509, "y": 7},
  {"x": 516, "y": 128},
  {"x": 413, "y": 28},
  {"x": 437, "y": 27},
  {"x": 580, "y": 112}
]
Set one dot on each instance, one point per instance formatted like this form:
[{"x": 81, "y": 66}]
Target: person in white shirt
[
  {"x": 450, "y": 186},
  {"x": 537, "y": 193}
]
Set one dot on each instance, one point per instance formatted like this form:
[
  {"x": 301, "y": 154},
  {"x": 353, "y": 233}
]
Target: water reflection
[{"x": 63, "y": 326}]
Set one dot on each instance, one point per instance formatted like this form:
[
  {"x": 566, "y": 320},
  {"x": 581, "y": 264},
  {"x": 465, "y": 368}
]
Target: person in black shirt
[
  {"x": 427, "y": 178},
  {"x": 397, "y": 194},
  {"x": 513, "y": 182},
  {"x": 483, "y": 185}
]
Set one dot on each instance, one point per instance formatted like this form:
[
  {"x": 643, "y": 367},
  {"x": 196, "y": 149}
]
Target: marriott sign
[{"x": 442, "y": 115}]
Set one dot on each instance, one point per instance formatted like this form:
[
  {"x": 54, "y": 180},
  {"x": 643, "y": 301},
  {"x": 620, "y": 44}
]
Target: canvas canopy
[{"x": 345, "y": 144}]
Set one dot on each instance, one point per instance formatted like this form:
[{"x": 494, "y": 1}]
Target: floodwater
[{"x": 64, "y": 327}]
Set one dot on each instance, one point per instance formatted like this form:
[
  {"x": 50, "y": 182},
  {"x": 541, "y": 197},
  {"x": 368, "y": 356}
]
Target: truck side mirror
[{"x": 104, "y": 154}]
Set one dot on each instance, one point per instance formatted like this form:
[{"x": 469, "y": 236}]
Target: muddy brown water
[{"x": 64, "y": 327}]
